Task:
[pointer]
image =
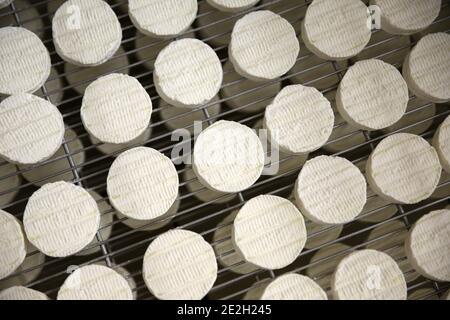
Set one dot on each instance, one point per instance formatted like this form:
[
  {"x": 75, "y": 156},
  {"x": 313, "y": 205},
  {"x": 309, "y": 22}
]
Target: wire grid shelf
[{"x": 124, "y": 247}]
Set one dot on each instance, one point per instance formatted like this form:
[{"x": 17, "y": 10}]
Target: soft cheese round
[
  {"x": 263, "y": 46},
  {"x": 233, "y": 5},
  {"x": 86, "y": 33},
  {"x": 179, "y": 265},
  {"x": 293, "y": 287},
  {"x": 13, "y": 249},
  {"x": 228, "y": 157},
  {"x": 31, "y": 129},
  {"x": 427, "y": 68},
  {"x": 330, "y": 190},
  {"x": 372, "y": 95},
  {"x": 56, "y": 234},
  {"x": 336, "y": 30},
  {"x": 299, "y": 120},
  {"x": 22, "y": 293},
  {"x": 95, "y": 282},
  {"x": 269, "y": 232},
  {"x": 116, "y": 108},
  {"x": 403, "y": 168},
  {"x": 441, "y": 142},
  {"x": 9, "y": 184},
  {"x": 187, "y": 73},
  {"x": 368, "y": 275},
  {"x": 25, "y": 61},
  {"x": 428, "y": 245},
  {"x": 142, "y": 183},
  {"x": 407, "y": 16},
  {"x": 162, "y": 18}
]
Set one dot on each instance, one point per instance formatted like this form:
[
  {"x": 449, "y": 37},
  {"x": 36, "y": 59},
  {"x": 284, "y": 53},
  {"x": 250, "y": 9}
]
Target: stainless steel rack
[{"x": 125, "y": 247}]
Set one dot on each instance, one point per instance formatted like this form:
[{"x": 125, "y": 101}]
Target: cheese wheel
[
  {"x": 428, "y": 245},
  {"x": 187, "y": 73},
  {"x": 233, "y": 5},
  {"x": 25, "y": 62},
  {"x": 79, "y": 78},
  {"x": 22, "y": 293},
  {"x": 372, "y": 95},
  {"x": 228, "y": 157},
  {"x": 32, "y": 129},
  {"x": 142, "y": 183},
  {"x": 245, "y": 95},
  {"x": 116, "y": 108},
  {"x": 27, "y": 14},
  {"x": 95, "y": 282},
  {"x": 179, "y": 265},
  {"x": 115, "y": 149},
  {"x": 263, "y": 46},
  {"x": 9, "y": 184},
  {"x": 440, "y": 24},
  {"x": 427, "y": 68},
  {"x": 299, "y": 120},
  {"x": 59, "y": 170},
  {"x": 86, "y": 33},
  {"x": 13, "y": 249},
  {"x": 293, "y": 287},
  {"x": 406, "y": 16},
  {"x": 269, "y": 232},
  {"x": 162, "y": 18},
  {"x": 330, "y": 190},
  {"x": 59, "y": 235},
  {"x": 54, "y": 88},
  {"x": 5, "y": 3},
  {"x": 336, "y": 30},
  {"x": 368, "y": 275},
  {"x": 441, "y": 142},
  {"x": 224, "y": 248},
  {"x": 403, "y": 168}
]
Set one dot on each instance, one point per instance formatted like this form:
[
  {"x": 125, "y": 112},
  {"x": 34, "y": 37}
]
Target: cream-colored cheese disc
[
  {"x": 441, "y": 142},
  {"x": 25, "y": 61},
  {"x": 142, "y": 183},
  {"x": 187, "y": 73},
  {"x": 330, "y": 190},
  {"x": 86, "y": 33},
  {"x": 228, "y": 157},
  {"x": 162, "y": 18},
  {"x": 428, "y": 245},
  {"x": 427, "y": 68},
  {"x": 22, "y": 293},
  {"x": 13, "y": 249},
  {"x": 115, "y": 149},
  {"x": 31, "y": 129},
  {"x": 233, "y": 5},
  {"x": 403, "y": 168},
  {"x": 8, "y": 184},
  {"x": 299, "y": 120},
  {"x": 336, "y": 30},
  {"x": 372, "y": 95},
  {"x": 56, "y": 234},
  {"x": 407, "y": 16},
  {"x": 368, "y": 275},
  {"x": 263, "y": 46},
  {"x": 95, "y": 282},
  {"x": 293, "y": 287},
  {"x": 179, "y": 265},
  {"x": 269, "y": 232},
  {"x": 116, "y": 108}
]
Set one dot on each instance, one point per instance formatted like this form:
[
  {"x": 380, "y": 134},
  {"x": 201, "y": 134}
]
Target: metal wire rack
[{"x": 124, "y": 247}]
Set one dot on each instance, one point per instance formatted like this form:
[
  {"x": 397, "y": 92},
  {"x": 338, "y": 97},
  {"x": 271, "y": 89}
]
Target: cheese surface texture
[
  {"x": 13, "y": 250},
  {"x": 22, "y": 293},
  {"x": 293, "y": 287},
  {"x": 441, "y": 142}
]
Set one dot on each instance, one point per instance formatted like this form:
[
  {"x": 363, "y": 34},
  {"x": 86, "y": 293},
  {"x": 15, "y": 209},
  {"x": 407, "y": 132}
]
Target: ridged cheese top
[{"x": 12, "y": 250}]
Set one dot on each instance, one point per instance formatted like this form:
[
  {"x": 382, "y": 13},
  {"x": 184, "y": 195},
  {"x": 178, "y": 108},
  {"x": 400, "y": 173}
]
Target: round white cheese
[
  {"x": 299, "y": 120},
  {"x": 427, "y": 68},
  {"x": 368, "y": 275},
  {"x": 13, "y": 249},
  {"x": 95, "y": 282},
  {"x": 115, "y": 149},
  {"x": 179, "y": 265},
  {"x": 336, "y": 30},
  {"x": 31, "y": 129},
  {"x": 330, "y": 190},
  {"x": 142, "y": 183},
  {"x": 428, "y": 245},
  {"x": 8, "y": 184},
  {"x": 233, "y": 5},
  {"x": 269, "y": 232},
  {"x": 441, "y": 142},
  {"x": 293, "y": 287},
  {"x": 228, "y": 157},
  {"x": 22, "y": 293},
  {"x": 58, "y": 235},
  {"x": 263, "y": 46},
  {"x": 187, "y": 73},
  {"x": 162, "y": 18},
  {"x": 403, "y": 168},
  {"x": 25, "y": 61},
  {"x": 86, "y": 33}
]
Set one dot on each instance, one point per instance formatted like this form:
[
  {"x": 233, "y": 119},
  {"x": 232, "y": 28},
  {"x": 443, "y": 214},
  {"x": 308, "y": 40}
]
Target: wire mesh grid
[{"x": 121, "y": 247}]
